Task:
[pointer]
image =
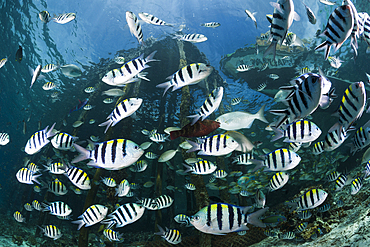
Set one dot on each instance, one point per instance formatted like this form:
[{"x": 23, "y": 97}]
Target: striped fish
[
  {"x": 123, "y": 188},
  {"x": 222, "y": 218},
  {"x": 130, "y": 71},
  {"x": 57, "y": 208},
  {"x": 309, "y": 200},
  {"x": 33, "y": 167},
  {"x": 124, "y": 109},
  {"x": 124, "y": 215},
  {"x": 39, "y": 140},
  {"x": 193, "y": 38},
  {"x": 355, "y": 33},
  {"x": 352, "y": 105},
  {"x": 202, "y": 167},
  {"x": 301, "y": 227},
  {"x": 282, "y": 19},
  {"x": 244, "y": 67},
  {"x": 134, "y": 25},
  {"x": 295, "y": 146},
  {"x": 139, "y": 166},
  {"x": 28, "y": 207},
  {"x": 338, "y": 29},
  {"x": 341, "y": 181},
  {"x": 111, "y": 155},
  {"x": 110, "y": 182},
  {"x": 45, "y": 16},
  {"x": 333, "y": 176},
  {"x": 304, "y": 214},
  {"x": 235, "y": 101},
  {"x": 209, "y": 106},
  {"x": 281, "y": 159},
  {"x": 318, "y": 148},
  {"x": 172, "y": 236},
  {"x": 301, "y": 131},
  {"x": 220, "y": 174},
  {"x": 304, "y": 97},
  {"x": 57, "y": 187},
  {"x": 49, "y": 86},
  {"x": 157, "y": 137},
  {"x": 50, "y": 68},
  {"x": 64, "y": 18},
  {"x": 26, "y": 176},
  {"x": 311, "y": 16},
  {"x": 151, "y": 19},
  {"x": 216, "y": 145},
  {"x": 4, "y": 139},
  {"x": 183, "y": 219},
  {"x": 55, "y": 168},
  {"x": 356, "y": 185},
  {"x": 188, "y": 75},
  {"x": 361, "y": 138},
  {"x": 278, "y": 181},
  {"x": 163, "y": 201},
  {"x": 93, "y": 215},
  {"x": 36, "y": 205},
  {"x": 287, "y": 235},
  {"x": 148, "y": 203},
  {"x": 78, "y": 177},
  {"x": 364, "y": 29},
  {"x": 362, "y": 17},
  {"x": 334, "y": 138},
  {"x": 113, "y": 235},
  {"x": 18, "y": 217},
  {"x": 211, "y": 24},
  {"x": 51, "y": 231},
  {"x": 63, "y": 141},
  {"x": 243, "y": 159}
]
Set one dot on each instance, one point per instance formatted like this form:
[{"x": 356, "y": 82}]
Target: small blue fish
[{"x": 79, "y": 106}]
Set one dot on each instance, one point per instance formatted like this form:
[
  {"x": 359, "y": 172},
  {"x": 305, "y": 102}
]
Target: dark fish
[
  {"x": 79, "y": 106},
  {"x": 200, "y": 128},
  {"x": 19, "y": 54},
  {"x": 274, "y": 219}
]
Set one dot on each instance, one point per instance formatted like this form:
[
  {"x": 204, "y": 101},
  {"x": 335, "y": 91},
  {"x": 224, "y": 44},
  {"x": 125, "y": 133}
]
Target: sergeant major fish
[
  {"x": 134, "y": 25},
  {"x": 281, "y": 21},
  {"x": 193, "y": 38},
  {"x": 216, "y": 145},
  {"x": 39, "y": 140},
  {"x": 188, "y": 75},
  {"x": 151, "y": 19}
]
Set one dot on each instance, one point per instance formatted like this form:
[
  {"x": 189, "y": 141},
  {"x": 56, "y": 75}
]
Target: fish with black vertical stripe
[
  {"x": 301, "y": 131},
  {"x": 361, "y": 138},
  {"x": 188, "y": 75},
  {"x": 134, "y": 26},
  {"x": 282, "y": 19},
  {"x": 352, "y": 104},
  {"x": 309, "y": 200},
  {"x": 338, "y": 29},
  {"x": 93, "y": 215},
  {"x": 278, "y": 181},
  {"x": 63, "y": 141},
  {"x": 216, "y": 145},
  {"x": 111, "y": 155},
  {"x": 209, "y": 106},
  {"x": 39, "y": 140},
  {"x": 222, "y": 218},
  {"x": 172, "y": 236},
  {"x": 124, "y": 215},
  {"x": 281, "y": 159},
  {"x": 151, "y": 19},
  {"x": 130, "y": 71},
  {"x": 124, "y": 109}
]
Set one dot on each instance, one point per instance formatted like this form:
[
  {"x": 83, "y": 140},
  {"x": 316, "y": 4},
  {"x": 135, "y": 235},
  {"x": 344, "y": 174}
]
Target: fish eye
[
  {"x": 196, "y": 217},
  {"x": 136, "y": 147}
]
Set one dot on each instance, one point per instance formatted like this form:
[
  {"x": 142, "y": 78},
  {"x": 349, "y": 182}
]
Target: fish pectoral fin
[{"x": 296, "y": 17}]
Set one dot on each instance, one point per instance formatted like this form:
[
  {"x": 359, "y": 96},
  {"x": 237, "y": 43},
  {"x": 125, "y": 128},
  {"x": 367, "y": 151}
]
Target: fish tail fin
[
  {"x": 254, "y": 218},
  {"x": 271, "y": 48},
  {"x": 161, "y": 231},
  {"x": 278, "y": 134},
  {"x": 324, "y": 45},
  {"x": 258, "y": 163},
  {"x": 34, "y": 178},
  {"x": 84, "y": 154},
  {"x": 50, "y": 133},
  {"x": 195, "y": 146},
  {"x": 80, "y": 223},
  {"x": 150, "y": 58},
  {"x": 195, "y": 118},
  {"x": 174, "y": 134},
  {"x": 166, "y": 85},
  {"x": 294, "y": 205},
  {"x": 107, "y": 123},
  {"x": 188, "y": 168},
  {"x": 260, "y": 114}
]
